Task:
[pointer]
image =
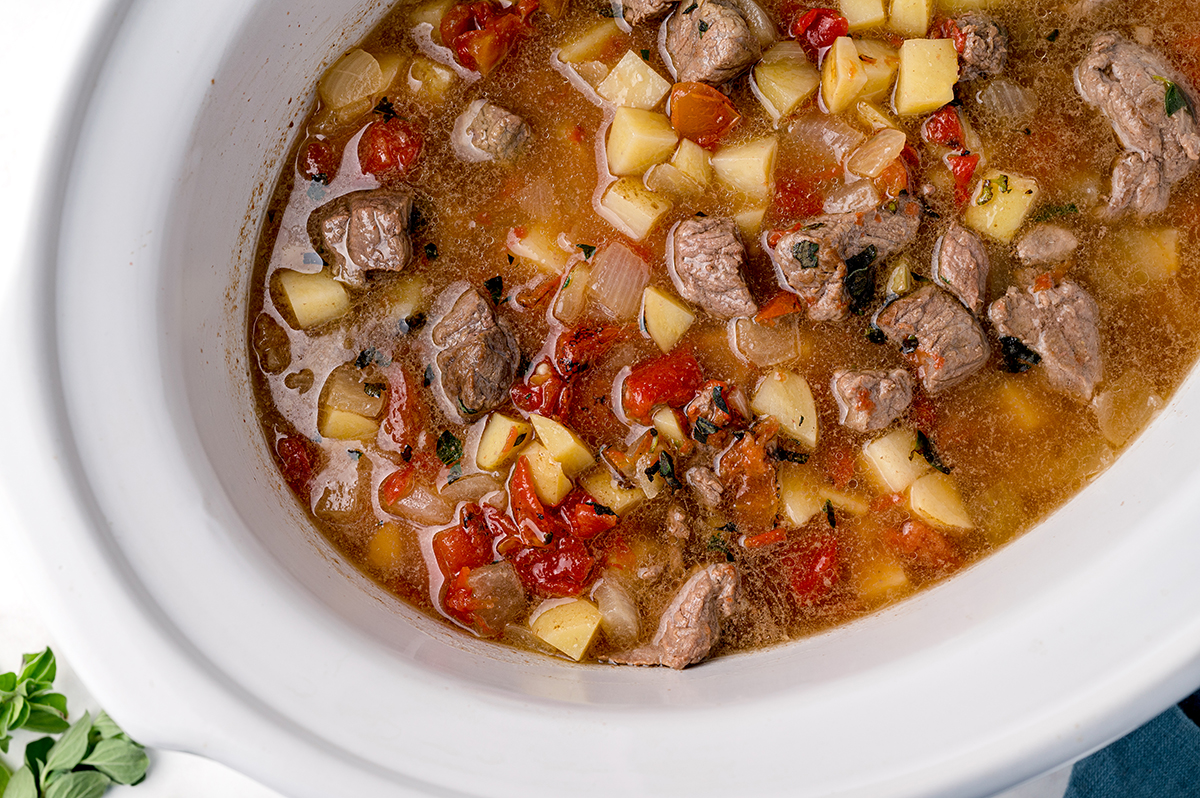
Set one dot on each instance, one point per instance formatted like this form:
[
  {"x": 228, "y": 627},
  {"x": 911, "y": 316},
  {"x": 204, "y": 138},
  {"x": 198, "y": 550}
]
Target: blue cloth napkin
[{"x": 1158, "y": 760}]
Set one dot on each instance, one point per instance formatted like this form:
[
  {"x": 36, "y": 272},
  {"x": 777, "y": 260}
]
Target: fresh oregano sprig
[
  {"x": 27, "y": 701},
  {"x": 89, "y": 757}
]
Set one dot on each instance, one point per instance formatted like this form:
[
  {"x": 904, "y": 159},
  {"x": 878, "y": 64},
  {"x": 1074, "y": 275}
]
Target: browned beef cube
[
  {"x": 938, "y": 334},
  {"x": 499, "y": 133},
  {"x": 1046, "y": 243},
  {"x": 871, "y": 400},
  {"x": 985, "y": 47},
  {"x": 960, "y": 263},
  {"x": 810, "y": 265},
  {"x": 363, "y": 231},
  {"x": 638, "y": 11},
  {"x": 706, "y": 259},
  {"x": 710, "y": 41},
  {"x": 480, "y": 360}
]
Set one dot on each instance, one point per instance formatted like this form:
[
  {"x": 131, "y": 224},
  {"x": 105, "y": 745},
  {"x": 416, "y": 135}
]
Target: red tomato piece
[
  {"x": 407, "y": 416},
  {"x": 702, "y": 113},
  {"x": 535, "y": 524},
  {"x": 319, "y": 160},
  {"x": 468, "y": 545},
  {"x": 770, "y": 537},
  {"x": 962, "y": 167},
  {"x": 388, "y": 148},
  {"x": 817, "y": 29},
  {"x": 482, "y": 33},
  {"x": 586, "y": 517},
  {"x": 295, "y": 462},
  {"x": 749, "y": 475},
  {"x": 670, "y": 380},
  {"x": 397, "y": 485},
  {"x": 542, "y": 393},
  {"x": 782, "y": 304},
  {"x": 580, "y": 346},
  {"x": 948, "y": 29},
  {"x": 812, "y": 568},
  {"x": 460, "y": 599},
  {"x": 923, "y": 547},
  {"x": 561, "y": 569},
  {"x": 945, "y": 128}
]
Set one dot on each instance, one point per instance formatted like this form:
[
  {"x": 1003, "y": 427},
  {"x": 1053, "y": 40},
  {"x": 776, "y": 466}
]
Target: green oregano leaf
[
  {"x": 79, "y": 784},
  {"x": 21, "y": 785},
  {"x": 71, "y": 747},
  {"x": 587, "y": 249},
  {"x": 926, "y": 450},
  {"x": 829, "y": 516},
  {"x": 805, "y": 252},
  {"x": 449, "y": 448},
  {"x": 122, "y": 761},
  {"x": 1174, "y": 98}
]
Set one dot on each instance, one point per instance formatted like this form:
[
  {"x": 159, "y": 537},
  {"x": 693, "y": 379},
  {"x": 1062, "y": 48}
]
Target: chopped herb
[
  {"x": 602, "y": 509},
  {"x": 1018, "y": 358},
  {"x": 1053, "y": 37},
  {"x": 1002, "y": 182},
  {"x": 386, "y": 109},
  {"x": 926, "y": 450},
  {"x": 449, "y": 448},
  {"x": 909, "y": 344},
  {"x": 520, "y": 439},
  {"x": 860, "y": 279},
  {"x": 690, "y": 9},
  {"x": 607, "y": 12},
  {"x": 816, "y": 226},
  {"x": 701, "y": 214},
  {"x": 876, "y": 335},
  {"x": 717, "y": 543},
  {"x": 431, "y": 252},
  {"x": 428, "y": 380},
  {"x": 406, "y": 453},
  {"x": 790, "y": 456},
  {"x": 588, "y": 250},
  {"x": 1051, "y": 211},
  {"x": 414, "y": 322},
  {"x": 510, "y": 260},
  {"x": 718, "y": 395},
  {"x": 703, "y": 429},
  {"x": 730, "y": 527},
  {"x": 806, "y": 253},
  {"x": 932, "y": 214},
  {"x": 985, "y": 193},
  {"x": 829, "y": 516},
  {"x": 495, "y": 287},
  {"x": 1027, "y": 132},
  {"x": 373, "y": 389},
  {"x": 355, "y": 454},
  {"x": 1174, "y": 98},
  {"x": 653, "y": 470},
  {"x": 645, "y": 55},
  {"x": 892, "y": 206},
  {"x": 455, "y": 474},
  {"x": 666, "y": 467},
  {"x": 366, "y": 357},
  {"x": 703, "y": 26}
]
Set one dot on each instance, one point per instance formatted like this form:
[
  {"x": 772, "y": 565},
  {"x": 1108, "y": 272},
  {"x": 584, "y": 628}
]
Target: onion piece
[
  {"x": 822, "y": 140},
  {"x": 573, "y": 296},
  {"x": 469, "y": 488},
  {"x": 355, "y": 77},
  {"x": 858, "y": 196},
  {"x": 1008, "y": 101},
  {"x": 618, "y": 278},
  {"x": 618, "y": 614},
  {"x": 760, "y": 22},
  {"x": 423, "y": 506},
  {"x": 872, "y": 158}
]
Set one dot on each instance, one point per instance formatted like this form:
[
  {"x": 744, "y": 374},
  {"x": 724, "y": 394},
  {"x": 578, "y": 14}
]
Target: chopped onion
[
  {"x": 760, "y": 22},
  {"x": 469, "y": 488},
  {"x": 572, "y": 297},
  {"x": 423, "y": 506},
  {"x": 1008, "y": 101},
  {"x": 819, "y": 139},
  {"x": 859, "y": 196},
  {"x": 618, "y": 614},
  {"x": 618, "y": 279},
  {"x": 877, "y": 154},
  {"x": 766, "y": 346},
  {"x": 355, "y": 77}
]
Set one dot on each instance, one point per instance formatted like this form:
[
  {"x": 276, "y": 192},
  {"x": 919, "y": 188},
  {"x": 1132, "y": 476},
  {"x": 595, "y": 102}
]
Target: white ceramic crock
[{"x": 207, "y": 616}]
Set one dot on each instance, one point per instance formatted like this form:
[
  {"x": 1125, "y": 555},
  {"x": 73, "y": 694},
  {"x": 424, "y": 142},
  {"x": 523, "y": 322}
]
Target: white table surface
[{"x": 44, "y": 38}]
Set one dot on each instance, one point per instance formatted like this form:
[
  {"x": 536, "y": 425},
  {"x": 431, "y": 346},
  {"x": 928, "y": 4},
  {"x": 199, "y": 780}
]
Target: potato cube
[
  {"x": 569, "y": 627},
  {"x": 632, "y": 208},
  {"x": 590, "y": 44},
  {"x": 534, "y": 243},
  {"x": 347, "y": 389},
  {"x": 564, "y": 445},
  {"x": 343, "y": 425},
  {"x": 693, "y": 161},
  {"x": 843, "y": 75},
  {"x": 880, "y": 62},
  {"x": 664, "y": 178},
  {"x": 502, "y": 439},
  {"x": 355, "y": 77},
  {"x": 601, "y": 486},
  {"x": 1000, "y": 204},
  {"x": 748, "y": 168},
  {"x": 665, "y": 318},
  {"x": 313, "y": 299},
  {"x": 879, "y": 577},
  {"x": 1019, "y": 403},
  {"x": 666, "y": 421},
  {"x": 893, "y": 461},
  {"x": 799, "y": 495},
  {"x": 911, "y": 17},
  {"x": 633, "y": 83},
  {"x": 429, "y": 80},
  {"x": 934, "y": 497},
  {"x": 928, "y": 72},
  {"x": 431, "y": 13},
  {"x": 863, "y": 13},
  {"x": 1152, "y": 253},
  {"x": 637, "y": 140},
  {"x": 786, "y": 397},
  {"x": 550, "y": 482},
  {"x": 873, "y": 116},
  {"x": 784, "y": 79},
  {"x": 749, "y": 222}
]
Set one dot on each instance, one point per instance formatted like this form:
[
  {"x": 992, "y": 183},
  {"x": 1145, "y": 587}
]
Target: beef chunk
[
  {"x": 499, "y": 133},
  {"x": 890, "y": 228},
  {"x": 706, "y": 485},
  {"x": 363, "y": 231},
  {"x": 480, "y": 358},
  {"x": 638, "y": 11},
  {"x": 691, "y": 624},
  {"x": 871, "y": 400},
  {"x": 1061, "y": 324},
  {"x": 1135, "y": 90},
  {"x": 710, "y": 41},
  {"x": 706, "y": 259},
  {"x": 985, "y": 47},
  {"x": 1046, "y": 243},
  {"x": 811, "y": 267},
  {"x": 938, "y": 333},
  {"x": 960, "y": 263},
  {"x": 678, "y": 524}
]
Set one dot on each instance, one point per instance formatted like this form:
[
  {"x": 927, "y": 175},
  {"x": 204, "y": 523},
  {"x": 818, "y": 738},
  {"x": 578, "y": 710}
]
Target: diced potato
[
  {"x": 842, "y": 75},
  {"x": 589, "y": 45},
  {"x": 784, "y": 78},
  {"x": 911, "y": 17},
  {"x": 632, "y": 208},
  {"x": 402, "y": 299},
  {"x": 799, "y": 495},
  {"x": 619, "y": 619},
  {"x": 928, "y": 72},
  {"x": 429, "y": 80},
  {"x": 313, "y": 299},
  {"x": 766, "y": 346},
  {"x": 880, "y": 62},
  {"x": 569, "y": 627},
  {"x": 592, "y": 72},
  {"x": 550, "y": 481},
  {"x": 1000, "y": 204},
  {"x": 344, "y": 498},
  {"x": 893, "y": 462},
  {"x": 564, "y": 445},
  {"x": 748, "y": 168},
  {"x": 503, "y": 438},
  {"x": 572, "y": 297},
  {"x": 664, "y": 317},
  {"x": 786, "y": 397},
  {"x": 749, "y": 222},
  {"x": 693, "y": 161},
  {"x": 355, "y": 77},
  {"x": 1151, "y": 252},
  {"x": 879, "y": 577},
  {"x": 1020, "y": 405},
  {"x": 601, "y": 486},
  {"x": 637, "y": 140},
  {"x": 1125, "y": 406},
  {"x": 387, "y": 547},
  {"x": 665, "y": 178},
  {"x": 538, "y": 246},
  {"x": 934, "y": 497},
  {"x": 666, "y": 421},
  {"x": 349, "y": 407},
  {"x": 633, "y": 83},
  {"x": 344, "y": 426},
  {"x": 863, "y": 13},
  {"x": 900, "y": 278},
  {"x": 873, "y": 116}
]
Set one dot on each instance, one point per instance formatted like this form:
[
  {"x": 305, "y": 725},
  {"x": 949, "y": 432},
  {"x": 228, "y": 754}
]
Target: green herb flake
[
  {"x": 718, "y": 395},
  {"x": 355, "y": 454},
  {"x": 703, "y": 26},
  {"x": 876, "y": 335},
  {"x": 860, "y": 279},
  {"x": 805, "y": 252},
  {"x": 790, "y": 456},
  {"x": 587, "y": 249},
  {"x": 366, "y": 357},
  {"x": 1053, "y": 37},
  {"x": 690, "y": 9},
  {"x": 1053, "y": 211},
  {"x": 431, "y": 251},
  {"x": 829, "y": 516},
  {"x": 703, "y": 429},
  {"x": 1003, "y": 183},
  {"x": 717, "y": 543},
  {"x": 602, "y": 509},
  {"x": 374, "y": 389},
  {"x": 666, "y": 467},
  {"x": 495, "y": 288},
  {"x": 386, "y": 109},
  {"x": 449, "y": 448},
  {"x": 909, "y": 344},
  {"x": 455, "y": 474},
  {"x": 1018, "y": 358},
  {"x": 607, "y": 12},
  {"x": 645, "y": 55},
  {"x": 427, "y": 380},
  {"x": 926, "y": 450},
  {"x": 510, "y": 260},
  {"x": 986, "y": 193},
  {"x": 1174, "y": 98}
]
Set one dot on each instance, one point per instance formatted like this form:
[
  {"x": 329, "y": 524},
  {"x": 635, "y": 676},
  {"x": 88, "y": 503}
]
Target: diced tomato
[
  {"x": 749, "y": 475},
  {"x": 397, "y": 485},
  {"x": 782, "y": 304},
  {"x": 887, "y": 501},
  {"x": 563, "y": 568},
  {"x": 799, "y": 196},
  {"x": 702, "y": 113},
  {"x": 586, "y": 517},
  {"x": 407, "y": 417},
  {"x": 817, "y": 29},
  {"x": 1043, "y": 282},
  {"x": 388, "y": 148},
  {"x": 460, "y": 599},
  {"x": 962, "y": 167},
  {"x": 579, "y": 347},
  {"x": 923, "y": 547},
  {"x": 893, "y": 180},
  {"x": 768, "y": 538},
  {"x": 542, "y": 393},
  {"x": 535, "y": 523},
  {"x": 670, "y": 380},
  {"x": 468, "y": 545},
  {"x": 296, "y": 463},
  {"x": 812, "y": 568},
  {"x": 948, "y": 29},
  {"x": 482, "y": 33},
  {"x": 838, "y": 460},
  {"x": 945, "y": 128},
  {"x": 319, "y": 160}
]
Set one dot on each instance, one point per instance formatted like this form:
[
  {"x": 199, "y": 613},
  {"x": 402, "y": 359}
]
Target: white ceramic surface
[{"x": 205, "y": 614}]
